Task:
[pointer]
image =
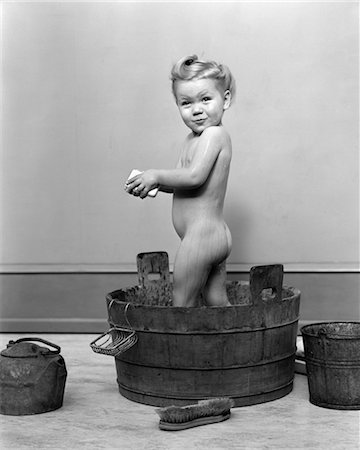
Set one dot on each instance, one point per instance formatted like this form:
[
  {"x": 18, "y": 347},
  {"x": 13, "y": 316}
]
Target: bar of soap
[{"x": 135, "y": 172}]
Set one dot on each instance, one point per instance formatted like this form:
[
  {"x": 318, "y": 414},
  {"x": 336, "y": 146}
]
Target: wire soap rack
[{"x": 116, "y": 340}]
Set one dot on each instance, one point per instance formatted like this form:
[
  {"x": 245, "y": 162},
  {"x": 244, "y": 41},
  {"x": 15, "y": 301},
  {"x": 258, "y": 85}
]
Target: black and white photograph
[{"x": 179, "y": 225}]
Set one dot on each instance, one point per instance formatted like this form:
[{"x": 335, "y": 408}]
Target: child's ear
[{"x": 227, "y": 99}]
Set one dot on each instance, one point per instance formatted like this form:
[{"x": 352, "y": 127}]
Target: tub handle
[
  {"x": 153, "y": 269},
  {"x": 111, "y": 321},
  {"x": 264, "y": 278}
]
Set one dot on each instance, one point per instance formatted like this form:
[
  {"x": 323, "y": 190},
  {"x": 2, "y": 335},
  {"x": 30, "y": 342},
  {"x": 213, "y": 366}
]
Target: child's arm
[
  {"x": 191, "y": 177},
  {"x": 167, "y": 190}
]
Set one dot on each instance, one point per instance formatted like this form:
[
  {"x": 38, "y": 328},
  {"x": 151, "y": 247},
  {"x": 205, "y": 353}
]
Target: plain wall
[{"x": 86, "y": 98}]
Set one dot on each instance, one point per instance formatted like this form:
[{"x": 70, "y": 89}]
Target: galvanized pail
[{"x": 332, "y": 355}]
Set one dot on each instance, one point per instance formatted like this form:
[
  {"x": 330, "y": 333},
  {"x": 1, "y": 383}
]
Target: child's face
[{"x": 201, "y": 103}]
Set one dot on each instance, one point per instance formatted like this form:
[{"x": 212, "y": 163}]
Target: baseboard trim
[
  {"x": 52, "y": 325},
  {"x": 126, "y": 268}
]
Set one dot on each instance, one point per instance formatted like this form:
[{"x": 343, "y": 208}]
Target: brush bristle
[{"x": 204, "y": 408}]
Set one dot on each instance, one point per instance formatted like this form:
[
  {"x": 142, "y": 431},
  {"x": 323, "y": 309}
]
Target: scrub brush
[{"x": 174, "y": 418}]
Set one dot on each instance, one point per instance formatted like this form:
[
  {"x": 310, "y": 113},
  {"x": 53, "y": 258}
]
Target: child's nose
[{"x": 197, "y": 109}]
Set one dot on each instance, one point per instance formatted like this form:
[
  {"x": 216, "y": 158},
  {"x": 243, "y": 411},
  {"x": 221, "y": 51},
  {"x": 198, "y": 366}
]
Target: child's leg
[
  {"x": 200, "y": 265},
  {"x": 215, "y": 288},
  {"x": 191, "y": 271}
]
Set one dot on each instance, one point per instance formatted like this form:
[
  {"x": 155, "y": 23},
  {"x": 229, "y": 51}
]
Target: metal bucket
[
  {"x": 332, "y": 355},
  {"x": 245, "y": 351}
]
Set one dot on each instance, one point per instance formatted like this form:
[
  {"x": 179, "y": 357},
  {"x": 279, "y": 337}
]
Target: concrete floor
[{"x": 95, "y": 416}]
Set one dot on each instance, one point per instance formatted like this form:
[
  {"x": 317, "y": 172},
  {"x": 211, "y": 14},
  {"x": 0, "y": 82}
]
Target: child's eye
[
  {"x": 185, "y": 103},
  {"x": 206, "y": 99}
]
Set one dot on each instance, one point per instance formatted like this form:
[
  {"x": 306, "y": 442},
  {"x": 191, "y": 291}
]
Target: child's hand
[{"x": 143, "y": 184}]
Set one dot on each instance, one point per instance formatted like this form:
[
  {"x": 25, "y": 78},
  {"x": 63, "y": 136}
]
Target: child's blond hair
[{"x": 191, "y": 68}]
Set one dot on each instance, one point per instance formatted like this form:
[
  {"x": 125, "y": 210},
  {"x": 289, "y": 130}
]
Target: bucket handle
[
  {"x": 36, "y": 339},
  {"x": 265, "y": 278}
]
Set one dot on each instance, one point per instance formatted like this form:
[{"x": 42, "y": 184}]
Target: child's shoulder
[{"x": 215, "y": 132}]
